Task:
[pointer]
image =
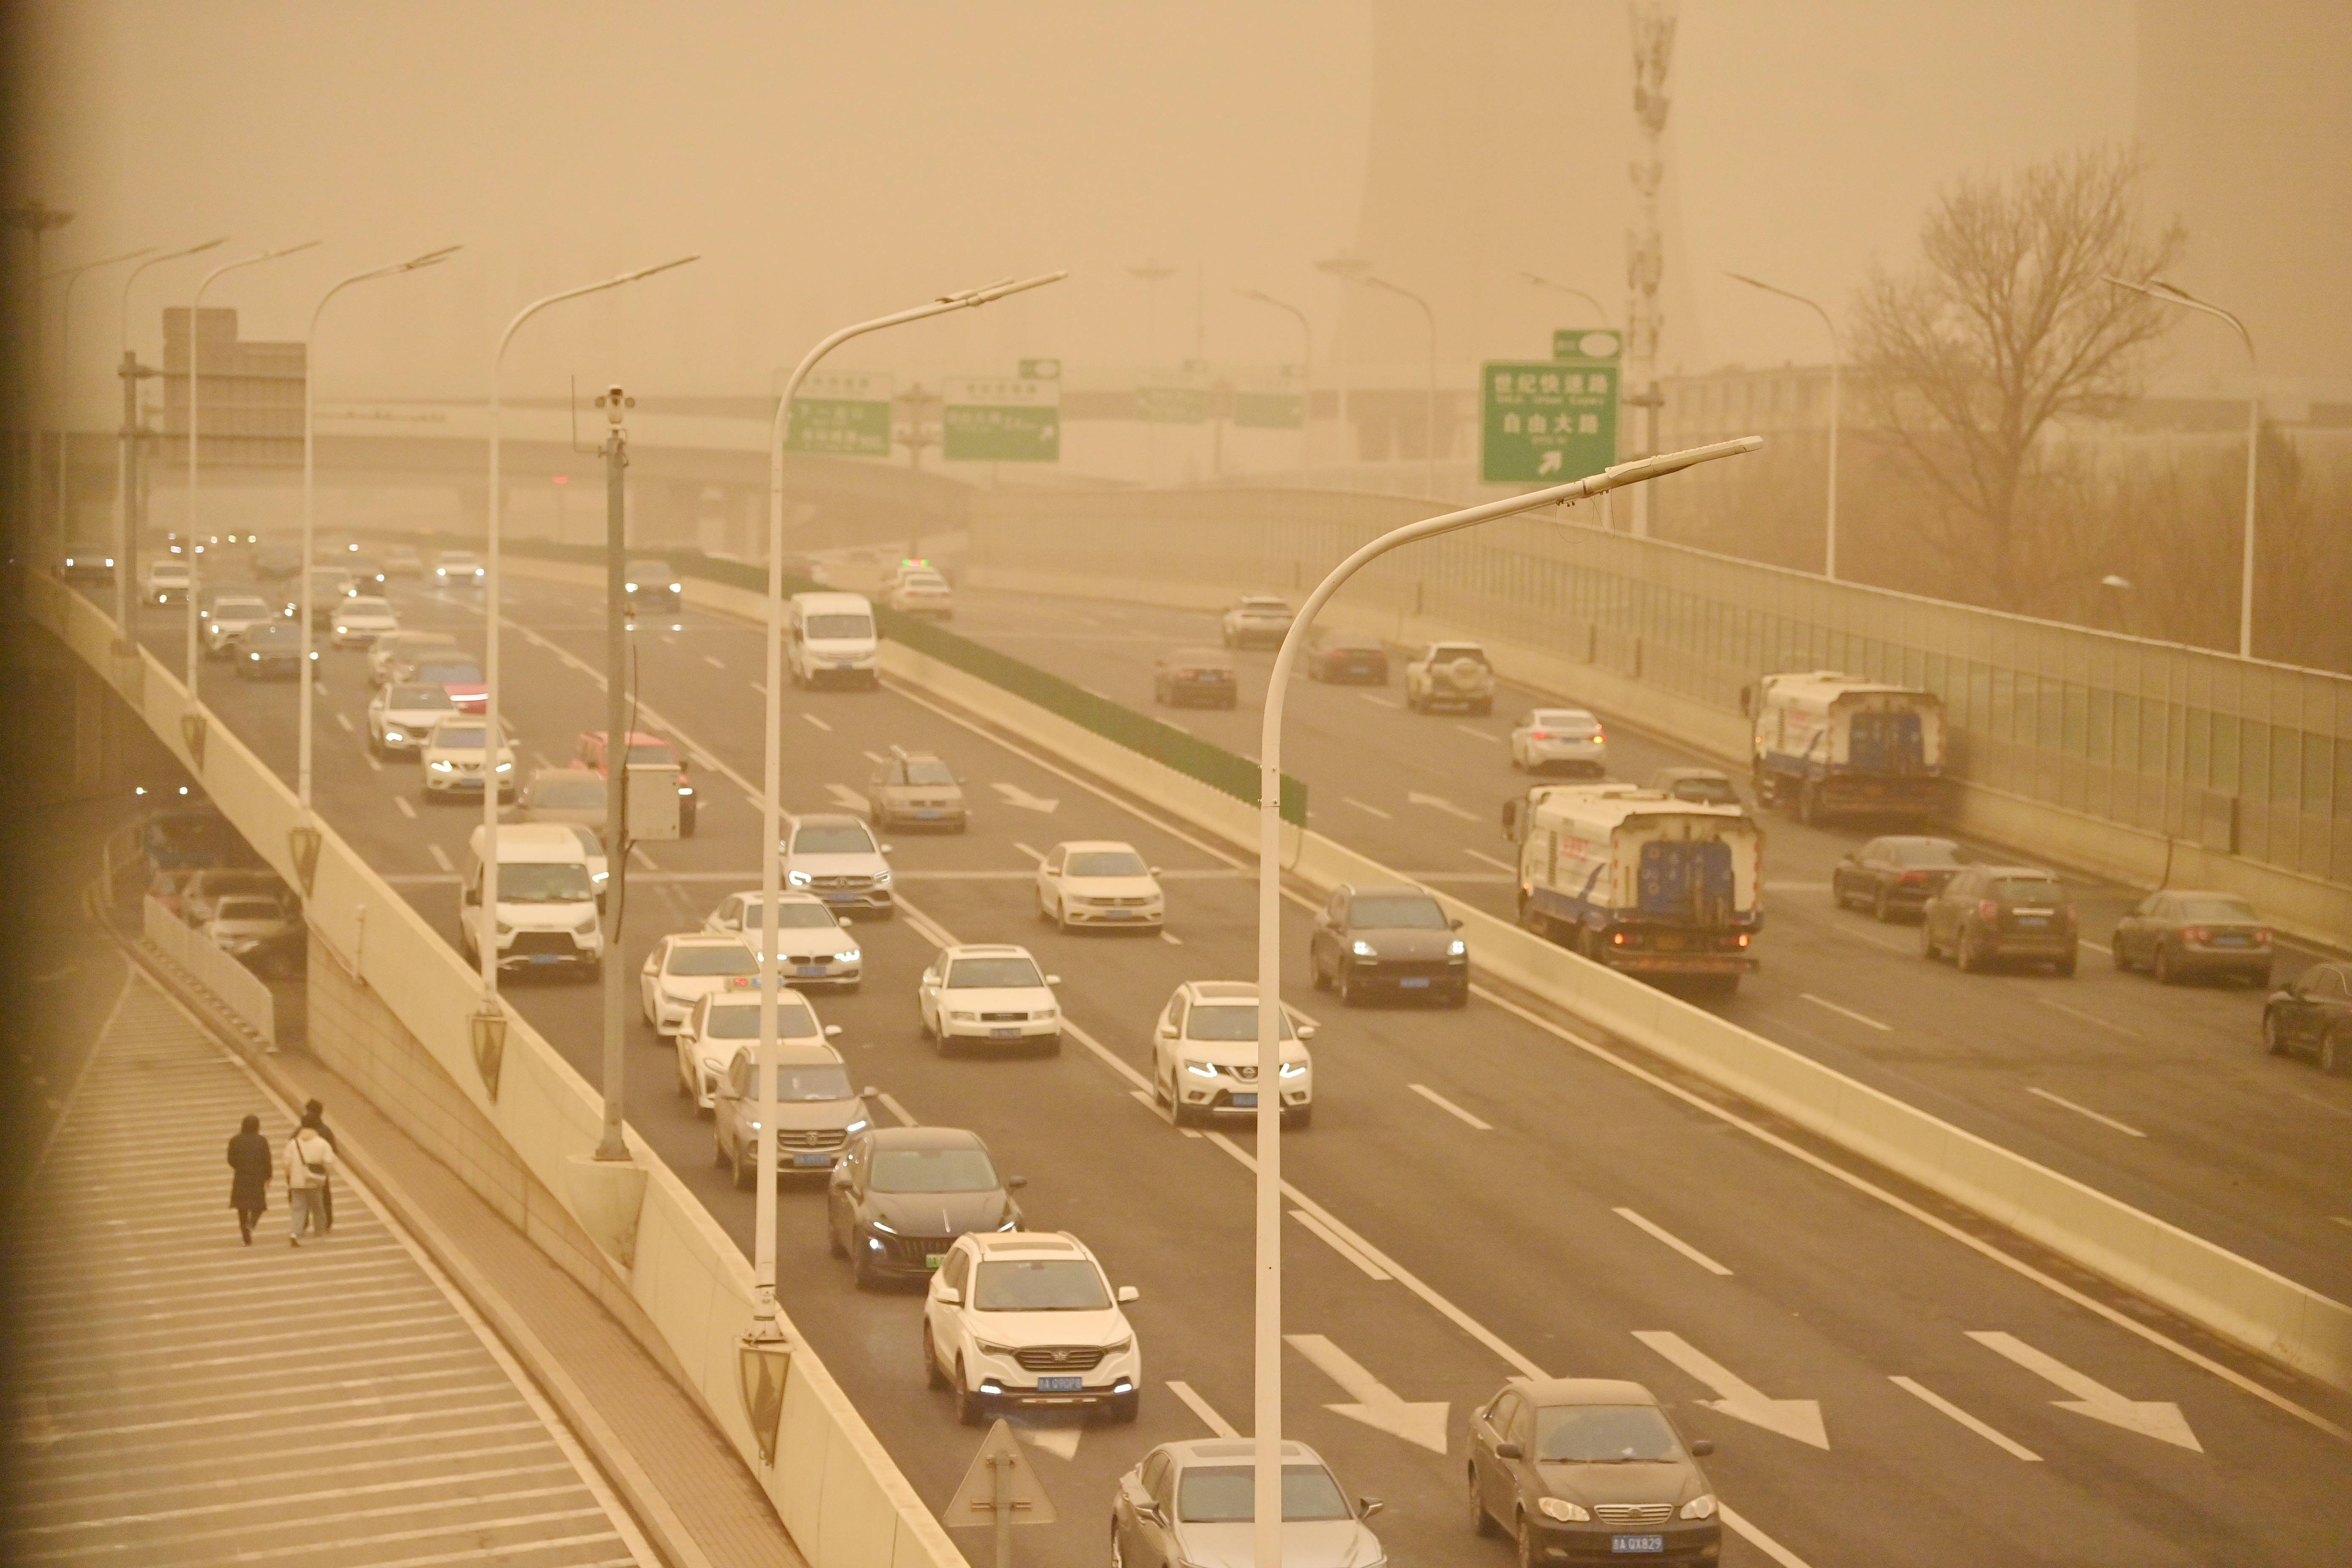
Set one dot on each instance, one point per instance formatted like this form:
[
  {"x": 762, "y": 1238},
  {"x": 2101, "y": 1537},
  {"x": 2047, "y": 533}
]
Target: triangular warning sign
[{"x": 974, "y": 1507}]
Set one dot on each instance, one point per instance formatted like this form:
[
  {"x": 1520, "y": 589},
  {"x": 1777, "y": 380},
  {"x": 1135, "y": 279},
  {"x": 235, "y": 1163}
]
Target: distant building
[{"x": 250, "y": 402}]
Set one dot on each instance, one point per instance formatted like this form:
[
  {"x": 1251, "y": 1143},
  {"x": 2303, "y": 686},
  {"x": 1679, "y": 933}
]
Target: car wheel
[
  {"x": 1928, "y": 937},
  {"x": 2160, "y": 967},
  {"x": 833, "y": 1244},
  {"x": 861, "y": 1270},
  {"x": 1528, "y": 1554},
  {"x": 1481, "y": 1521},
  {"x": 1061, "y": 917},
  {"x": 1298, "y": 1119},
  {"x": 1162, "y": 1094},
  {"x": 1965, "y": 955},
  {"x": 719, "y": 1156},
  {"x": 1316, "y": 976},
  {"x": 2335, "y": 1050},
  {"x": 932, "y": 1376},
  {"x": 1349, "y": 996},
  {"x": 1459, "y": 998},
  {"x": 1882, "y": 907},
  {"x": 2274, "y": 1041},
  {"x": 2064, "y": 968},
  {"x": 745, "y": 1164},
  {"x": 1126, "y": 1407},
  {"x": 1482, "y": 708},
  {"x": 1053, "y": 1045},
  {"x": 1809, "y": 806},
  {"x": 2115, "y": 954},
  {"x": 972, "y": 1407},
  {"x": 684, "y": 1088}
]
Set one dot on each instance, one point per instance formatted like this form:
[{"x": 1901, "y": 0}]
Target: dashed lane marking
[
  {"x": 1378, "y": 701},
  {"x": 818, "y": 722},
  {"x": 890, "y": 1103},
  {"x": 345, "y": 721},
  {"x": 1661, "y": 1233},
  {"x": 1934, "y": 1401},
  {"x": 1490, "y": 860},
  {"x": 2124, "y": 1128},
  {"x": 406, "y": 810},
  {"x": 1202, "y": 1408},
  {"x": 1447, "y": 1106},
  {"x": 706, "y": 658},
  {"x": 440, "y": 856},
  {"x": 1474, "y": 731},
  {"x": 1170, "y": 938},
  {"x": 2093, "y": 1019},
  {"x": 1863, "y": 1018},
  {"x": 1375, "y": 810}
]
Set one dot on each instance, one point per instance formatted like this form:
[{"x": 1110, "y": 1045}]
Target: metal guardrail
[{"x": 236, "y": 987}]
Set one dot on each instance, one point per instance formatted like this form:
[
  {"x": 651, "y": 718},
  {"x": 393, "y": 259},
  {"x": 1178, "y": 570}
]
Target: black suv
[
  {"x": 1991, "y": 914},
  {"x": 1389, "y": 937}
]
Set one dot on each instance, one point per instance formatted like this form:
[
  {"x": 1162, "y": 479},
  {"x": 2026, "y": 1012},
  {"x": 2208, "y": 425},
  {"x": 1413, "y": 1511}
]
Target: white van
[
  {"x": 830, "y": 640},
  {"x": 547, "y": 901}
]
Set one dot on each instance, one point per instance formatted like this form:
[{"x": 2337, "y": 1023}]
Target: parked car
[
  {"x": 916, "y": 788},
  {"x": 1701, "y": 786},
  {"x": 202, "y": 892},
  {"x": 2179, "y": 935},
  {"x": 1029, "y": 1318},
  {"x": 1897, "y": 874},
  {"x": 1450, "y": 675},
  {"x": 900, "y": 1195},
  {"x": 1996, "y": 914},
  {"x": 1387, "y": 937},
  {"x": 1590, "y": 1470},
  {"x": 1348, "y": 657},
  {"x": 1568, "y": 739},
  {"x": 1200, "y": 677},
  {"x": 259, "y": 932},
  {"x": 1194, "y": 1502},
  {"x": 1256, "y": 620},
  {"x": 2312, "y": 1017}
]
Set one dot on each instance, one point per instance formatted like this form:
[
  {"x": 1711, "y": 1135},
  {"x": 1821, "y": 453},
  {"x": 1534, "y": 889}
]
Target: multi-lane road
[{"x": 1483, "y": 1191}]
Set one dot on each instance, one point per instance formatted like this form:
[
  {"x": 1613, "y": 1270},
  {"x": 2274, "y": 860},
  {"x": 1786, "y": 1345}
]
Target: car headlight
[
  {"x": 674, "y": 999},
  {"x": 341, "y": 630},
  {"x": 1294, "y": 1069},
  {"x": 1200, "y": 1069},
  {"x": 506, "y": 767},
  {"x": 1362, "y": 950},
  {"x": 984, "y": 1348},
  {"x": 394, "y": 735},
  {"x": 1699, "y": 1507},
  {"x": 884, "y": 1229},
  {"x": 676, "y": 589},
  {"x": 442, "y": 765},
  {"x": 964, "y": 1017},
  {"x": 1011, "y": 1221},
  {"x": 255, "y": 657},
  {"x": 686, "y": 789},
  {"x": 631, "y": 587},
  {"x": 848, "y": 955},
  {"x": 586, "y": 927},
  {"x": 797, "y": 878},
  {"x": 1460, "y": 949},
  {"x": 240, "y": 944},
  {"x": 880, "y": 878},
  {"x": 1560, "y": 1509},
  {"x": 856, "y": 1126},
  {"x": 713, "y": 1065}
]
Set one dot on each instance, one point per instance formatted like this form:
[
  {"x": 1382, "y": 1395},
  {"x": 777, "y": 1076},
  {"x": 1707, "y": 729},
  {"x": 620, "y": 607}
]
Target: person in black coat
[
  {"x": 248, "y": 1192},
  {"x": 314, "y": 1116}
]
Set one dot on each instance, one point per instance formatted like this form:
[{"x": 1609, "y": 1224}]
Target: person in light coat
[{"x": 310, "y": 1167}]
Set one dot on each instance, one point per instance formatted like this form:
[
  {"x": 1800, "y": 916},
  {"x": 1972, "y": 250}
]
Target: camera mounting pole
[{"x": 617, "y": 684}]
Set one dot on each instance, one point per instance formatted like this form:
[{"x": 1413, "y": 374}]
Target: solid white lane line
[
  {"x": 1447, "y": 1106},
  {"x": 373, "y": 766},
  {"x": 1375, "y": 810},
  {"x": 1330, "y": 1239},
  {"x": 890, "y": 1103},
  {"x": 2341, "y": 1220},
  {"x": 406, "y": 810},
  {"x": 1203, "y": 1408},
  {"x": 2126, "y": 1129},
  {"x": 1026, "y": 850},
  {"x": 440, "y": 859},
  {"x": 1490, "y": 860},
  {"x": 713, "y": 663},
  {"x": 1671, "y": 1239},
  {"x": 345, "y": 721},
  {"x": 2092, "y": 1018},
  {"x": 1481, "y": 734},
  {"x": 1170, "y": 938},
  {"x": 1861, "y": 1018},
  {"x": 760, "y": 687},
  {"x": 817, "y": 721},
  {"x": 1935, "y": 1401}
]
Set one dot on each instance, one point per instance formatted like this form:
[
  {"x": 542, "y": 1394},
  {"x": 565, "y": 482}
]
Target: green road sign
[
  {"x": 1585, "y": 342},
  {"x": 1041, "y": 370},
  {"x": 1172, "y": 404},
  {"x": 1001, "y": 419},
  {"x": 1546, "y": 422},
  {"x": 846, "y": 413}
]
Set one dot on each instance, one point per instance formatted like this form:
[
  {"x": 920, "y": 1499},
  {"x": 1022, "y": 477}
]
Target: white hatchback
[
  {"x": 729, "y": 1019},
  {"x": 1099, "y": 882},
  {"x": 683, "y": 969},
  {"x": 1028, "y": 1318},
  {"x": 812, "y": 947},
  {"x": 1204, "y": 1056},
  {"x": 1547, "y": 738},
  {"x": 989, "y": 995}
]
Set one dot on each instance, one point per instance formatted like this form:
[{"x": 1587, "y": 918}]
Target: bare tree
[{"x": 2003, "y": 329}]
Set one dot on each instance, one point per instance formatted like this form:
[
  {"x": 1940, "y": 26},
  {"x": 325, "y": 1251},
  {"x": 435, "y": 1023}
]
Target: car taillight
[
  {"x": 2262, "y": 938},
  {"x": 2070, "y": 917},
  {"x": 1988, "y": 911},
  {"x": 1618, "y": 938},
  {"x": 1539, "y": 735},
  {"x": 2201, "y": 935},
  {"x": 1599, "y": 735},
  {"x": 1911, "y": 876}
]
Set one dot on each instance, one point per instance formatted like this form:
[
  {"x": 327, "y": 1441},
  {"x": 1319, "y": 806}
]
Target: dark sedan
[
  {"x": 1991, "y": 914},
  {"x": 900, "y": 1195},
  {"x": 1195, "y": 675},
  {"x": 2176, "y": 935},
  {"x": 1356, "y": 658},
  {"x": 2312, "y": 1017},
  {"x": 268, "y": 651},
  {"x": 1590, "y": 1470},
  {"x": 1392, "y": 938},
  {"x": 1893, "y": 875}
]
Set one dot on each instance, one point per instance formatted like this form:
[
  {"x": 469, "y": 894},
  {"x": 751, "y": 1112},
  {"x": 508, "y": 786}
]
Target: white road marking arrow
[
  {"x": 849, "y": 798},
  {"x": 1439, "y": 802},
  {"x": 1798, "y": 1418},
  {"x": 2155, "y": 1418},
  {"x": 1015, "y": 795},
  {"x": 1377, "y": 1405}
]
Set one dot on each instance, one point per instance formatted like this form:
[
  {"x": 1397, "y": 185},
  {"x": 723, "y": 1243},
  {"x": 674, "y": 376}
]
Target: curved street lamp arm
[
  {"x": 1542, "y": 282},
  {"x": 157, "y": 261}
]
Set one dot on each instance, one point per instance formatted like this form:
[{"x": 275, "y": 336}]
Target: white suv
[
  {"x": 228, "y": 617},
  {"x": 1027, "y": 1318},
  {"x": 452, "y": 755},
  {"x": 989, "y": 994},
  {"x": 835, "y": 857},
  {"x": 1450, "y": 675},
  {"x": 1204, "y": 1056},
  {"x": 917, "y": 590}
]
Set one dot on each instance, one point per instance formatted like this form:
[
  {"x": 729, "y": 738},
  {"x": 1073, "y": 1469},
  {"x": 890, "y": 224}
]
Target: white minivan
[
  {"x": 830, "y": 640},
  {"x": 547, "y": 901}
]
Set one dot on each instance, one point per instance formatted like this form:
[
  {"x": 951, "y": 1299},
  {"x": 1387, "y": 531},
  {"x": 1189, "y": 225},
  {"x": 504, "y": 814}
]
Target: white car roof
[
  {"x": 986, "y": 950},
  {"x": 534, "y": 843}
]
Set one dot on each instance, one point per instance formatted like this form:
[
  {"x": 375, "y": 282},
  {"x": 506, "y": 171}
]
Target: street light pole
[
  {"x": 1266, "y": 1534},
  {"x": 763, "y": 1223},
  {"x": 486, "y": 943},
  {"x": 1151, "y": 272},
  {"x": 1837, "y": 366},
  {"x": 1429, "y": 395},
  {"x": 310, "y": 492},
  {"x": 39, "y": 220},
  {"x": 72, "y": 275},
  {"x": 1543, "y": 282},
  {"x": 195, "y": 343},
  {"x": 1306, "y": 374},
  {"x": 1348, "y": 267},
  {"x": 126, "y": 457},
  {"x": 2173, "y": 294}
]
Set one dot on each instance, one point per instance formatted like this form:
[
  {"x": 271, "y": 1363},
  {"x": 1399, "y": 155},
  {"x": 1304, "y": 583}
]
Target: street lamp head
[
  {"x": 2113, "y": 581},
  {"x": 1343, "y": 265},
  {"x": 988, "y": 294},
  {"x": 646, "y": 271}
]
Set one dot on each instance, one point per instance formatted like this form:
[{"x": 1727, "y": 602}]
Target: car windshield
[
  {"x": 366, "y": 607},
  {"x": 1226, "y": 1494},
  {"x": 1926, "y": 852},
  {"x": 2220, "y": 911},
  {"x": 432, "y": 697},
  {"x": 2028, "y": 890},
  {"x": 1228, "y": 1021},
  {"x": 543, "y": 882},
  {"x": 806, "y": 1085},
  {"x": 272, "y": 632},
  {"x": 1107, "y": 863},
  {"x": 1604, "y": 1435},
  {"x": 450, "y": 674},
  {"x": 925, "y": 582},
  {"x": 832, "y": 838},
  {"x": 1039, "y": 1285},
  {"x": 839, "y": 627},
  {"x": 929, "y": 771},
  {"x": 454, "y": 738},
  {"x": 248, "y": 909},
  {"x": 1401, "y": 912},
  {"x": 707, "y": 958},
  {"x": 226, "y": 608},
  {"x": 582, "y": 792},
  {"x": 934, "y": 1171},
  {"x": 993, "y": 974},
  {"x": 1566, "y": 719},
  {"x": 651, "y": 751},
  {"x": 1351, "y": 642},
  {"x": 789, "y": 915},
  {"x": 1263, "y": 608},
  {"x": 741, "y": 1020},
  {"x": 456, "y": 558},
  {"x": 1706, "y": 792}
]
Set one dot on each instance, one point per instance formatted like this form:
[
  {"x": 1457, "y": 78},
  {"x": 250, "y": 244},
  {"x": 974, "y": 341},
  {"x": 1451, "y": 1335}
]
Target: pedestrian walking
[
  {"x": 309, "y": 1171},
  {"x": 248, "y": 1190},
  {"x": 314, "y": 1116}
]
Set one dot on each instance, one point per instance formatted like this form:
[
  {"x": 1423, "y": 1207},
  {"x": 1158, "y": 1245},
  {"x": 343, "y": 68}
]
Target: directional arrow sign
[
  {"x": 849, "y": 798},
  {"x": 1798, "y": 1418},
  {"x": 1377, "y": 1405},
  {"x": 1015, "y": 795},
  {"x": 1439, "y": 802},
  {"x": 2154, "y": 1418}
]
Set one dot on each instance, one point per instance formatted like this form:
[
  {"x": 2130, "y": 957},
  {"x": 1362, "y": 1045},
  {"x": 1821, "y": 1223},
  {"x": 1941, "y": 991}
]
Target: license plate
[
  {"x": 546, "y": 958},
  {"x": 1247, "y": 1101},
  {"x": 1003, "y": 1034},
  {"x": 2228, "y": 942},
  {"x": 933, "y": 1259},
  {"x": 926, "y": 816},
  {"x": 1637, "y": 1543},
  {"x": 1670, "y": 944},
  {"x": 1060, "y": 1384},
  {"x": 1416, "y": 983},
  {"x": 2036, "y": 921},
  {"x": 844, "y": 667},
  {"x": 808, "y": 969},
  {"x": 840, "y": 897},
  {"x": 1116, "y": 914},
  {"x": 811, "y": 1156}
]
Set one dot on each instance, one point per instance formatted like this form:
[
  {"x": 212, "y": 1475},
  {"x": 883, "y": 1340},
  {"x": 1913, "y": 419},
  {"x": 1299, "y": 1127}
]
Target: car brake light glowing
[
  {"x": 1539, "y": 735},
  {"x": 1988, "y": 911},
  {"x": 1911, "y": 876},
  {"x": 2262, "y": 938},
  {"x": 1618, "y": 938},
  {"x": 2198, "y": 934}
]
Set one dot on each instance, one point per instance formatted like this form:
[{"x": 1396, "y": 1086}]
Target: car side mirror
[
  {"x": 1153, "y": 871},
  {"x": 889, "y": 849},
  {"x": 1453, "y": 924},
  {"x": 1049, "y": 871},
  {"x": 831, "y": 1030},
  {"x": 1702, "y": 1447},
  {"x": 1052, "y": 980},
  {"x": 1509, "y": 1451},
  {"x": 1129, "y": 1293},
  {"x": 870, "y": 1092},
  {"x": 1013, "y": 1181},
  {"x": 1306, "y": 1031},
  {"x": 1153, "y": 1512},
  {"x": 1368, "y": 1506},
  {"x": 949, "y": 1296}
]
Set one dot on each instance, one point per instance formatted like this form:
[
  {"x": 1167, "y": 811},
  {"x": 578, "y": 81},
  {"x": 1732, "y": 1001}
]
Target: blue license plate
[
  {"x": 808, "y": 969},
  {"x": 546, "y": 958},
  {"x": 1003, "y": 1034},
  {"x": 812, "y": 1157},
  {"x": 1247, "y": 1101},
  {"x": 1060, "y": 1384},
  {"x": 2034, "y": 920},
  {"x": 2228, "y": 942},
  {"x": 1417, "y": 983},
  {"x": 1637, "y": 1543},
  {"x": 926, "y": 816}
]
